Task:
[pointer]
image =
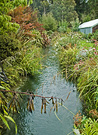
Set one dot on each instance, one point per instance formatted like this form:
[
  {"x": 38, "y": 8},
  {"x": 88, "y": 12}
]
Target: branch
[
  {"x": 29, "y": 93},
  {"x": 30, "y": 105}
]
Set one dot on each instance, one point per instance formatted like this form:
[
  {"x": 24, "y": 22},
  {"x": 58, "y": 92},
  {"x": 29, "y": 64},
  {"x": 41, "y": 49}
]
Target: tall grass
[{"x": 79, "y": 61}]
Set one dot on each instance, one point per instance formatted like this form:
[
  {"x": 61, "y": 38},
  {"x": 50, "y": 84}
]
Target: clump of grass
[{"x": 80, "y": 62}]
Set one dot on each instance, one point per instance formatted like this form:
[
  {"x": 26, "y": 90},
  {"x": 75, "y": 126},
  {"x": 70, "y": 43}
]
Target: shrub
[
  {"x": 95, "y": 35},
  {"x": 22, "y": 63},
  {"x": 69, "y": 40},
  {"x": 49, "y": 23},
  {"x": 75, "y": 25},
  {"x": 63, "y": 27},
  {"x": 8, "y": 45}
]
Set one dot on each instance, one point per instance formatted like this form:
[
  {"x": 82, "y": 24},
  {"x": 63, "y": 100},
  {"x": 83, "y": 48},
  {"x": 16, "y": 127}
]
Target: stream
[{"x": 49, "y": 83}]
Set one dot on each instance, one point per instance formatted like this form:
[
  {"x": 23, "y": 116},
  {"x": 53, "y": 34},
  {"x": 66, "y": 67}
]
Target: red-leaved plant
[{"x": 28, "y": 20}]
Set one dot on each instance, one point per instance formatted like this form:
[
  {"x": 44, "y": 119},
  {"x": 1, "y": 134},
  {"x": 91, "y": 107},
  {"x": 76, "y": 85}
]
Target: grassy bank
[{"x": 79, "y": 62}]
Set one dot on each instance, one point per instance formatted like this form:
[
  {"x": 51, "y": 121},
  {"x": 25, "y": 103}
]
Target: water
[{"x": 49, "y": 83}]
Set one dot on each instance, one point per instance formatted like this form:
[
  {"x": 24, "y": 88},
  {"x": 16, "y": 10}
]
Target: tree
[
  {"x": 87, "y": 9},
  {"x": 64, "y": 10},
  {"x": 44, "y": 4},
  {"x": 93, "y": 8},
  {"x": 41, "y": 5}
]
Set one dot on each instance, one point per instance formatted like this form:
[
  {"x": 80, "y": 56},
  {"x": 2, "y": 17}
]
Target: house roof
[{"x": 89, "y": 24}]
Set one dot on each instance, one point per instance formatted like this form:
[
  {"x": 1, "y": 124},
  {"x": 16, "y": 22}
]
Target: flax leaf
[{"x": 5, "y": 122}]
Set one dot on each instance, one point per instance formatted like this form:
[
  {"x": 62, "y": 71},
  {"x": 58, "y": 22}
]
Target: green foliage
[
  {"x": 19, "y": 54},
  {"x": 87, "y": 10},
  {"x": 70, "y": 39},
  {"x": 4, "y": 116},
  {"x": 86, "y": 71},
  {"x": 22, "y": 63},
  {"x": 65, "y": 10},
  {"x": 88, "y": 37},
  {"x": 75, "y": 25},
  {"x": 37, "y": 40},
  {"x": 87, "y": 83},
  {"x": 85, "y": 43},
  {"x": 30, "y": 29},
  {"x": 95, "y": 35},
  {"x": 6, "y": 26},
  {"x": 25, "y": 60},
  {"x": 31, "y": 61},
  {"x": 63, "y": 26},
  {"x": 44, "y": 4},
  {"x": 41, "y": 5},
  {"x": 85, "y": 18},
  {"x": 67, "y": 58},
  {"x": 80, "y": 62},
  {"x": 92, "y": 5},
  {"x": 84, "y": 125},
  {"x": 8, "y": 45},
  {"x": 49, "y": 23},
  {"x": 20, "y": 59},
  {"x": 90, "y": 127},
  {"x": 41, "y": 39},
  {"x": 5, "y": 6},
  {"x": 70, "y": 10},
  {"x": 17, "y": 3}
]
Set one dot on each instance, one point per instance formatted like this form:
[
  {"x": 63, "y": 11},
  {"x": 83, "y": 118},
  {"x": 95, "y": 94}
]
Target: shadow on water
[{"x": 53, "y": 84}]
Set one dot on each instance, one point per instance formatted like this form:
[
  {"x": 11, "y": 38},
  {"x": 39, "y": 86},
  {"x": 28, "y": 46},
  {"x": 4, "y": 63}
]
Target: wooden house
[{"x": 89, "y": 27}]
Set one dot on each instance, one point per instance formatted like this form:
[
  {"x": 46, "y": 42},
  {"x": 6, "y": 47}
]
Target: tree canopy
[{"x": 64, "y": 10}]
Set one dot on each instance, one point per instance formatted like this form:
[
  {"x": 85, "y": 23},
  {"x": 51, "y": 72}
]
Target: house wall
[
  {"x": 86, "y": 30},
  {"x": 95, "y": 28}
]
